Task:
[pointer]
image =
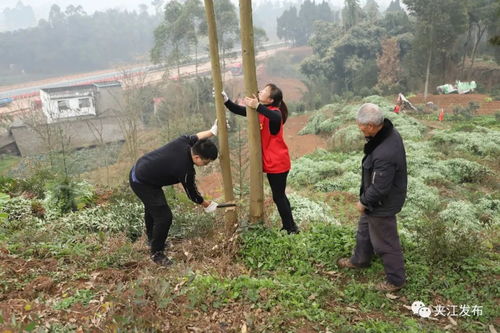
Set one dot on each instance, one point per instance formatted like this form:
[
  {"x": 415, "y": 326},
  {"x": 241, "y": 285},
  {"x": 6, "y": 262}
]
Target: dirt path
[{"x": 447, "y": 102}]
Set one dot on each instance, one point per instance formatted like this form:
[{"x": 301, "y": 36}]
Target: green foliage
[
  {"x": 17, "y": 209},
  {"x": 347, "y": 182},
  {"x": 66, "y": 195},
  {"x": 479, "y": 141},
  {"x": 82, "y": 296},
  {"x": 266, "y": 250},
  {"x": 119, "y": 217},
  {"x": 312, "y": 126},
  {"x": 306, "y": 171},
  {"x": 345, "y": 58},
  {"x": 4, "y": 198},
  {"x": 463, "y": 171},
  {"x": 445, "y": 239},
  {"x": 421, "y": 199},
  {"x": 465, "y": 112},
  {"x": 347, "y": 139},
  {"x": 297, "y": 25},
  {"x": 307, "y": 212},
  {"x": 34, "y": 184}
]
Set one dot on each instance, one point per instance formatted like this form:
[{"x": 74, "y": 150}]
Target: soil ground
[{"x": 447, "y": 102}]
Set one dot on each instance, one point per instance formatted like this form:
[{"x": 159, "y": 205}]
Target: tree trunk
[
  {"x": 230, "y": 216},
  {"x": 469, "y": 33},
  {"x": 248, "y": 55},
  {"x": 479, "y": 36},
  {"x": 427, "y": 74}
]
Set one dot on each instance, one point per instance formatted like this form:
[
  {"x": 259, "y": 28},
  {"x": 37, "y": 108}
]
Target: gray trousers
[{"x": 379, "y": 235}]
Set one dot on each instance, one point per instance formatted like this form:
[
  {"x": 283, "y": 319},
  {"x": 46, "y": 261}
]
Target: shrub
[
  {"x": 306, "y": 171},
  {"x": 480, "y": 141},
  {"x": 347, "y": 182},
  {"x": 18, "y": 209},
  {"x": 306, "y": 211},
  {"x": 450, "y": 237},
  {"x": 421, "y": 200},
  {"x": 488, "y": 211},
  {"x": 408, "y": 127},
  {"x": 461, "y": 170},
  {"x": 329, "y": 125},
  {"x": 465, "y": 112},
  {"x": 312, "y": 126},
  {"x": 122, "y": 216},
  {"x": 382, "y": 102},
  {"x": 347, "y": 139}
]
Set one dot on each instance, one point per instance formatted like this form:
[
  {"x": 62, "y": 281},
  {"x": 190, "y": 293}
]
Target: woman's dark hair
[
  {"x": 206, "y": 149},
  {"x": 277, "y": 95}
]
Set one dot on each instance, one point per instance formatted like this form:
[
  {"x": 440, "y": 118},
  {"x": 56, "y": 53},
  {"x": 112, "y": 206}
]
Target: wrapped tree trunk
[
  {"x": 254, "y": 144},
  {"x": 230, "y": 214}
]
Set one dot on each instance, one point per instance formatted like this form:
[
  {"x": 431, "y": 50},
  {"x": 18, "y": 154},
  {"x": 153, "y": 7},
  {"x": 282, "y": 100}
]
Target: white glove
[
  {"x": 211, "y": 208},
  {"x": 214, "y": 128},
  {"x": 224, "y": 95}
]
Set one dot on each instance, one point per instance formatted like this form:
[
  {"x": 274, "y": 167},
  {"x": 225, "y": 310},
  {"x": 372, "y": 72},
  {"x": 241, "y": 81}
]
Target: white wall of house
[{"x": 61, "y": 107}]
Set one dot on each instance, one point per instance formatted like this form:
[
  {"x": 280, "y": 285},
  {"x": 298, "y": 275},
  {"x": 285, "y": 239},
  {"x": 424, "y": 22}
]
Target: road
[{"x": 150, "y": 72}]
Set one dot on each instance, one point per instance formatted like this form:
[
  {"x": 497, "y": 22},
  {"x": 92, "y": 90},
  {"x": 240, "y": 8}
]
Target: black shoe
[{"x": 161, "y": 259}]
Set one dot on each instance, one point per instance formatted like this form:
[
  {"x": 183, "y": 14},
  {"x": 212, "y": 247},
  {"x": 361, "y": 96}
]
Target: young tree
[
  {"x": 483, "y": 15},
  {"x": 287, "y": 25},
  {"x": 221, "y": 113},
  {"x": 351, "y": 14},
  {"x": 388, "y": 65},
  {"x": 255, "y": 152},
  {"x": 172, "y": 36},
  {"x": 438, "y": 25},
  {"x": 371, "y": 10}
]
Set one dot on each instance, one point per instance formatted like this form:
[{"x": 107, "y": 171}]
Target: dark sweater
[
  {"x": 384, "y": 175},
  {"x": 274, "y": 117},
  {"x": 170, "y": 164}
]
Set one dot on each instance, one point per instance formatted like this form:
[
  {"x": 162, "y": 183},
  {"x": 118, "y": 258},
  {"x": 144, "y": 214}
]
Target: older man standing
[{"x": 382, "y": 195}]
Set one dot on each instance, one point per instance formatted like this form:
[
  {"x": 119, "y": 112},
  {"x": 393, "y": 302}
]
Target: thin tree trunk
[
  {"x": 466, "y": 46},
  {"x": 224, "y": 158},
  {"x": 479, "y": 36},
  {"x": 250, "y": 77},
  {"x": 427, "y": 74}
]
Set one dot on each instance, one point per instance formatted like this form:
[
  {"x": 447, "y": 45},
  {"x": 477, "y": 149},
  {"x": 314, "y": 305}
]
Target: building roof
[{"x": 81, "y": 90}]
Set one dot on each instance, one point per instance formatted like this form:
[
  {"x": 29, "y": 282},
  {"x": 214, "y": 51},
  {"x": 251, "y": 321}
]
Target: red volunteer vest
[{"x": 275, "y": 157}]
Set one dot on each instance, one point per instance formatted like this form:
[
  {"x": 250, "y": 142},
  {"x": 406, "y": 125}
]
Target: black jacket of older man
[
  {"x": 383, "y": 193},
  {"x": 384, "y": 175}
]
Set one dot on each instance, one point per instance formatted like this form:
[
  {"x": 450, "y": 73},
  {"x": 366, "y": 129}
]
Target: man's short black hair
[{"x": 206, "y": 149}]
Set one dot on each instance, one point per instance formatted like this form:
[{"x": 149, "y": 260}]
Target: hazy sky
[{"x": 41, "y": 7}]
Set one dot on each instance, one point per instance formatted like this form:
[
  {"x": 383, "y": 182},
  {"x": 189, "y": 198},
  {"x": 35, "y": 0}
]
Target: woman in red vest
[{"x": 275, "y": 157}]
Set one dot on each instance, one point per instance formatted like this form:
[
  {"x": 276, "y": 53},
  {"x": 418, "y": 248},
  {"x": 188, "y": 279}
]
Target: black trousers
[
  {"x": 379, "y": 235},
  {"x": 157, "y": 214},
  {"x": 277, "y": 181}
]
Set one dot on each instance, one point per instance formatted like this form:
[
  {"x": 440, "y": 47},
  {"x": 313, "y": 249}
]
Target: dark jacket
[
  {"x": 274, "y": 117},
  {"x": 384, "y": 175},
  {"x": 170, "y": 164}
]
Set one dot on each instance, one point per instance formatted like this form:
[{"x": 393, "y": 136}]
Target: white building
[{"x": 72, "y": 102}]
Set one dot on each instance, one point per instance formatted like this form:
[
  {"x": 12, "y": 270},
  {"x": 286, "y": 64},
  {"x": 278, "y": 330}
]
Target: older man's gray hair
[{"x": 370, "y": 113}]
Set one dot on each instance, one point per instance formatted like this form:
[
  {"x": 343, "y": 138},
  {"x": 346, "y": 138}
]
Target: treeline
[
  {"x": 72, "y": 40},
  {"x": 17, "y": 17},
  {"x": 183, "y": 31},
  {"x": 362, "y": 50}
]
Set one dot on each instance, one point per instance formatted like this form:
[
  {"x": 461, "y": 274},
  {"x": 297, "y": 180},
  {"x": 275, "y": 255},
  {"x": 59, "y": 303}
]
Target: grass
[
  {"x": 264, "y": 280},
  {"x": 7, "y": 162}
]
